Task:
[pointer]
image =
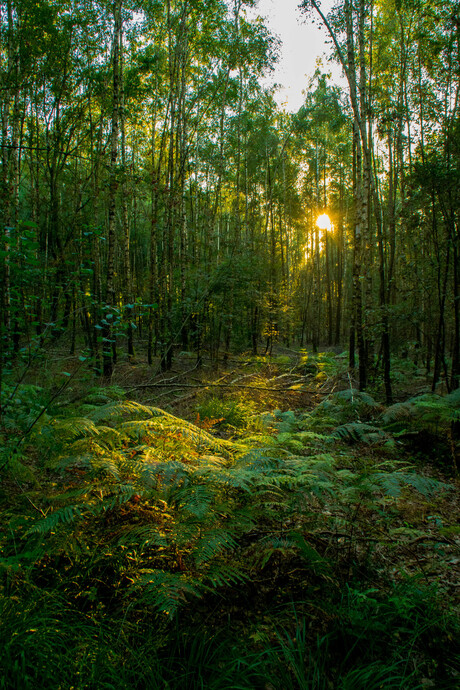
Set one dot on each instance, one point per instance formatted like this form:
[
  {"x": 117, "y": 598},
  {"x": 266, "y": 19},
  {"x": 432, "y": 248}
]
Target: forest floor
[{"x": 257, "y": 525}]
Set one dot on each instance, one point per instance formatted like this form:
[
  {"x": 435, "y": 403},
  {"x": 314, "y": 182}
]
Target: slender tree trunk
[
  {"x": 109, "y": 344},
  {"x": 127, "y": 293}
]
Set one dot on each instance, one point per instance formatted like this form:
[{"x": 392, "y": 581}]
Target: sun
[{"x": 324, "y": 222}]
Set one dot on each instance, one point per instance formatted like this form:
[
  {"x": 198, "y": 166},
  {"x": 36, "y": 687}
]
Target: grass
[{"x": 48, "y": 642}]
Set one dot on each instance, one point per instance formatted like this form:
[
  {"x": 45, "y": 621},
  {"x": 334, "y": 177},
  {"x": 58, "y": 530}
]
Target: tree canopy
[{"x": 154, "y": 195}]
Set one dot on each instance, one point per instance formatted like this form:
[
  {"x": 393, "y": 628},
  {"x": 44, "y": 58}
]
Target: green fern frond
[
  {"x": 355, "y": 397},
  {"x": 394, "y": 482},
  {"x": 108, "y": 464},
  {"x": 111, "y": 497},
  {"x": 398, "y": 412},
  {"x": 212, "y": 461},
  {"x": 122, "y": 409},
  {"x": 169, "y": 475},
  {"x": 242, "y": 479},
  {"x": 177, "y": 429},
  {"x": 453, "y": 399},
  {"x": 262, "y": 459},
  {"x": 357, "y": 432},
  {"x": 104, "y": 396},
  {"x": 271, "y": 546},
  {"x": 114, "y": 497},
  {"x": 75, "y": 427},
  {"x": 112, "y": 438},
  {"x": 195, "y": 500},
  {"x": 261, "y": 440},
  {"x": 285, "y": 421},
  {"x": 435, "y": 414},
  {"x": 426, "y": 398},
  {"x": 315, "y": 475},
  {"x": 201, "y": 439},
  {"x": 314, "y": 464},
  {"x": 65, "y": 515},
  {"x": 340, "y": 408},
  {"x": 428, "y": 410},
  {"x": 211, "y": 544},
  {"x": 224, "y": 575},
  {"x": 166, "y": 591},
  {"x": 20, "y": 470},
  {"x": 310, "y": 555}
]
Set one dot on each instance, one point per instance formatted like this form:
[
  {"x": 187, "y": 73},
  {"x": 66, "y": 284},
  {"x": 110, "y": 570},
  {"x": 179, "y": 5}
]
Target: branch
[
  {"x": 315, "y": 6},
  {"x": 211, "y": 385}
]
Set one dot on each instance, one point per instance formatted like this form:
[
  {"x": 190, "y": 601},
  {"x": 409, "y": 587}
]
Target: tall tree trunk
[
  {"x": 109, "y": 344},
  {"x": 127, "y": 293}
]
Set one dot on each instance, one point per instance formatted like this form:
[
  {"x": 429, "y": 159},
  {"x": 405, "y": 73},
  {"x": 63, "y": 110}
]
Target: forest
[{"x": 229, "y": 349}]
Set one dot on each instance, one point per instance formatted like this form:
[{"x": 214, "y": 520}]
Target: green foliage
[
  {"x": 285, "y": 421},
  {"x": 343, "y": 407},
  {"x": 103, "y": 396},
  {"x": 154, "y": 517},
  {"x": 321, "y": 365},
  {"x": 357, "y": 432},
  {"x": 428, "y": 411},
  {"x": 395, "y": 482},
  {"x": 299, "y": 665},
  {"x": 21, "y": 404},
  {"x": 238, "y": 414},
  {"x": 94, "y": 651}
]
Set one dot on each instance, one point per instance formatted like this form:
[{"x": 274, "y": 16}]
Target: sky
[{"x": 303, "y": 43}]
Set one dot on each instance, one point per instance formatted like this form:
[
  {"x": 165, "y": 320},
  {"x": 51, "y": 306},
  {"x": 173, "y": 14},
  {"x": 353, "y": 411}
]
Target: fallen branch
[{"x": 212, "y": 385}]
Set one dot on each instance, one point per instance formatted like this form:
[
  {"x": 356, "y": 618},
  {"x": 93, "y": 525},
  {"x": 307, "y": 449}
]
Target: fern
[
  {"x": 394, "y": 482},
  {"x": 107, "y": 464},
  {"x": 355, "y": 397},
  {"x": 428, "y": 411},
  {"x": 340, "y": 408},
  {"x": 174, "y": 427},
  {"x": 177, "y": 498},
  {"x": 166, "y": 591},
  {"x": 202, "y": 440},
  {"x": 212, "y": 544},
  {"x": 195, "y": 500},
  {"x": 453, "y": 399},
  {"x": 317, "y": 563},
  {"x": 75, "y": 427},
  {"x": 224, "y": 575},
  {"x": 285, "y": 421},
  {"x": 397, "y": 413},
  {"x": 110, "y": 498},
  {"x": 273, "y": 546},
  {"x": 119, "y": 410},
  {"x": 104, "y": 396},
  {"x": 357, "y": 432},
  {"x": 65, "y": 515}
]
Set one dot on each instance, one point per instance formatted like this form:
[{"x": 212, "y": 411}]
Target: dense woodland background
[
  {"x": 154, "y": 197},
  {"x": 229, "y": 437}
]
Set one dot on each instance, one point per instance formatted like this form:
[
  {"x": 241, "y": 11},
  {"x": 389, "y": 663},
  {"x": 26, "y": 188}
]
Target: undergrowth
[{"x": 142, "y": 550}]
